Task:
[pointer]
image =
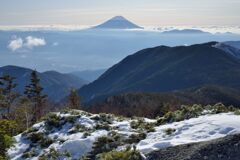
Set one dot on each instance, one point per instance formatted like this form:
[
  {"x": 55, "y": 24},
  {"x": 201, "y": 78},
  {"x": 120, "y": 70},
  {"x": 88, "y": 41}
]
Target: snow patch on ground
[
  {"x": 78, "y": 146},
  {"x": 203, "y": 128},
  {"x": 16, "y": 151}
]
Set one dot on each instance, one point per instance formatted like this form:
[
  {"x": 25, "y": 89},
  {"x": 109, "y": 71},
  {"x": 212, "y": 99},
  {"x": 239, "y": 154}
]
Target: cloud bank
[
  {"x": 15, "y": 44},
  {"x": 29, "y": 42}
]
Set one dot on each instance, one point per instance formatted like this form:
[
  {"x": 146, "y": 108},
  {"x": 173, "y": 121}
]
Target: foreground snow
[
  {"x": 203, "y": 128},
  {"x": 199, "y": 129}
]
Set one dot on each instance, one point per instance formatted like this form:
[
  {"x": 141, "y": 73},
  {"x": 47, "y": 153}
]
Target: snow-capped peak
[
  {"x": 118, "y": 18},
  {"x": 117, "y": 22}
]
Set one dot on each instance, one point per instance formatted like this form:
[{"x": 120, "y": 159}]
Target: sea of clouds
[{"x": 211, "y": 29}]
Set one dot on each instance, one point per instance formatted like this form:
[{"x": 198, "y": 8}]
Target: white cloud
[
  {"x": 15, "y": 44},
  {"x": 29, "y": 42}
]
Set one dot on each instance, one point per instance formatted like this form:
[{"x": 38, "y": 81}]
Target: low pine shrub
[
  {"x": 135, "y": 138},
  {"x": 127, "y": 154},
  {"x": 103, "y": 126},
  {"x": 52, "y": 120},
  {"x": 141, "y": 125},
  {"x": 169, "y": 131},
  {"x": 187, "y": 112},
  {"x": 40, "y": 138}
]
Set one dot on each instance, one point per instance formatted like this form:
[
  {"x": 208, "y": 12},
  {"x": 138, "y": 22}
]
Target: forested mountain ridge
[{"x": 164, "y": 69}]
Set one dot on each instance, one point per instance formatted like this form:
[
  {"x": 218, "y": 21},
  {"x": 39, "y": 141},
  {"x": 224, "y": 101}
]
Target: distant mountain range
[
  {"x": 117, "y": 22},
  {"x": 89, "y": 75},
  {"x": 167, "y": 69},
  {"x": 185, "y": 31},
  {"x": 107, "y": 47},
  {"x": 56, "y": 85}
]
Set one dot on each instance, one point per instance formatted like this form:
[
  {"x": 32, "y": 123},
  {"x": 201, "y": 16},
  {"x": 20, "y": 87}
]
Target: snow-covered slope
[
  {"x": 203, "y": 128},
  {"x": 76, "y": 134}
]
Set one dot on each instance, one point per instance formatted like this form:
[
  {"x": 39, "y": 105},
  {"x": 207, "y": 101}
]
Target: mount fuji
[{"x": 117, "y": 22}]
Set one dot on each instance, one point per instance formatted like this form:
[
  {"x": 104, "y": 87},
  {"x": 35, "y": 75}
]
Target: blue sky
[{"x": 143, "y": 12}]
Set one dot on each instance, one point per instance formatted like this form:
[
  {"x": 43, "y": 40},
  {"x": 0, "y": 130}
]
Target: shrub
[
  {"x": 102, "y": 117},
  {"x": 26, "y": 155},
  {"x": 53, "y": 154},
  {"x": 169, "y": 117},
  {"x": 52, "y": 120},
  {"x": 86, "y": 134},
  {"x": 46, "y": 142},
  {"x": 30, "y": 130},
  {"x": 7, "y": 130},
  {"x": 77, "y": 128},
  {"x": 126, "y": 154},
  {"x": 197, "y": 109},
  {"x": 187, "y": 112},
  {"x": 104, "y": 126},
  {"x": 116, "y": 136},
  {"x": 191, "y": 112},
  {"x": 40, "y": 139},
  {"x": 29, "y": 154},
  {"x": 62, "y": 141},
  {"x": 219, "y": 108},
  {"x": 7, "y": 127},
  {"x": 103, "y": 144},
  {"x": 142, "y": 125},
  {"x": 179, "y": 116},
  {"x": 95, "y": 118},
  {"x": 149, "y": 127},
  {"x": 135, "y": 138},
  {"x": 80, "y": 127},
  {"x": 120, "y": 118},
  {"x": 71, "y": 119},
  {"x": 135, "y": 124},
  {"x": 169, "y": 131},
  {"x": 65, "y": 111},
  {"x": 6, "y": 141},
  {"x": 237, "y": 112},
  {"x": 84, "y": 158},
  {"x": 75, "y": 112},
  {"x": 36, "y": 137}
]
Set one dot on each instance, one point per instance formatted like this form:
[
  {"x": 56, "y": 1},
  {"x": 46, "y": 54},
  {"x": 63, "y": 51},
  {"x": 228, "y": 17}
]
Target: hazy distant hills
[
  {"x": 164, "y": 69},
  {"x": 117, "y": 22},
  {"x": 56, "y": 85},
  {"x": 89, "y": 75},
  {"x": 185, "y": 31}
]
